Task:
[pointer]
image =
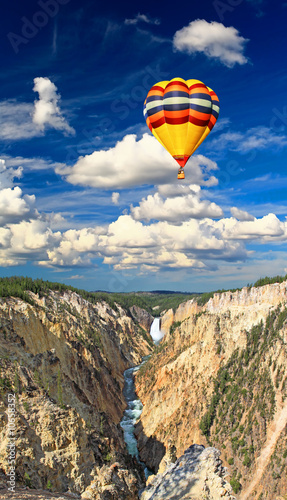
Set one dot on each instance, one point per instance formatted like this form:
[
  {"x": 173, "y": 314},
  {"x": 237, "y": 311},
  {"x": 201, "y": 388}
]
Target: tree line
[{"x": 18, "y": 286}]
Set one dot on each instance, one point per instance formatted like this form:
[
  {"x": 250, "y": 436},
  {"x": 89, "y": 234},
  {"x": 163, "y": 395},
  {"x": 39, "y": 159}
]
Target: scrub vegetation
[
  {"x": 204, "y": 297},
  {"x": 243, "y": 399},
  {"x": 154, "y": 302}
]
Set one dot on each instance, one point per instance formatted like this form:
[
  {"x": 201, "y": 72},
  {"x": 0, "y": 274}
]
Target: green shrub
[
  {"x": 235, "y": 484},
  {"x": 247, "y": 460},
  {"x": 27, "y": 480},
  {"x": 108, "y": 457}
]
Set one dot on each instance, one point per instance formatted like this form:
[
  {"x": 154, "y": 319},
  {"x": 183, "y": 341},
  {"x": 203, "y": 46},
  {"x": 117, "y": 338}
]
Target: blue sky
[{"x": 87, "y": 195}]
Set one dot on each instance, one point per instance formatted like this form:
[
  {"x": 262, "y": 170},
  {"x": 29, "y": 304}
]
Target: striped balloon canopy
[{"x": 180, "y": 114}]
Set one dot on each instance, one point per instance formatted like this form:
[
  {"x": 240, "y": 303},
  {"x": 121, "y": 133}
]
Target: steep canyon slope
[
  {"x": 64, "y": 359},
  {"x": 219, "y": 379}
]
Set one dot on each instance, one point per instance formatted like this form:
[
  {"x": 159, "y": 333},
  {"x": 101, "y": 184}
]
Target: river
[{"x": 134, "y": 405}]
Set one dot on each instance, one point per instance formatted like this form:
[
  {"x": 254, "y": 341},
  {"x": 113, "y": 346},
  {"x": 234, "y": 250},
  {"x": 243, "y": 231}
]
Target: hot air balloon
[{"x": 180, "y": 114}]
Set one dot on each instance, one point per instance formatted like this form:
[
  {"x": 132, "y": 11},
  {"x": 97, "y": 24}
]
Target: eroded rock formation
[
  {"x": 197, "y": 474},
  {"x": 219, "y": 377},
  {"x": 64, "y": 359}
]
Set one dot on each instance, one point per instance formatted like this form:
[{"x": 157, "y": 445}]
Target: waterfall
[{"x": 155, "y": 331}]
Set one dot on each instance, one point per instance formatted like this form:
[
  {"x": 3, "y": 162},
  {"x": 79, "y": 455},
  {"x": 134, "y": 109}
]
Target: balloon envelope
[{"x": 180, "y": 114}]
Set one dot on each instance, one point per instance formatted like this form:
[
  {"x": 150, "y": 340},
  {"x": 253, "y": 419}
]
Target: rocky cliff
[
  {"x": 64, "y": 359},
  {"x": 219, "y": 377},
  {"x": 197, "y": 474}
]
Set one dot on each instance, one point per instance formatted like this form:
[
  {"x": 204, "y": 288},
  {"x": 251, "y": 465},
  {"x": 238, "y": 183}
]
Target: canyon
[{"x": 214, "y": 395}]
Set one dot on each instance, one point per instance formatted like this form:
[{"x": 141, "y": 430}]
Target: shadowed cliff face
[
  {"x": 219, "y": 377},
  {"x": 64, "y": 358}
]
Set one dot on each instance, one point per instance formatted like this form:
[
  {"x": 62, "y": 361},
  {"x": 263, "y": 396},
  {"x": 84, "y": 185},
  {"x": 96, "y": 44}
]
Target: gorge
[
  {"x": 134, "y": 405},
  {"x": 132, "y": 413},
  {"x": 213, "y": 389}
]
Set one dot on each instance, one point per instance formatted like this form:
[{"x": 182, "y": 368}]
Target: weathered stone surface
[
  {"x": 112, "y": 483},
  {"x": 142, "y": 317},
  {"x": 169, "y": 458},
  {"x": 198, "y": 475}
]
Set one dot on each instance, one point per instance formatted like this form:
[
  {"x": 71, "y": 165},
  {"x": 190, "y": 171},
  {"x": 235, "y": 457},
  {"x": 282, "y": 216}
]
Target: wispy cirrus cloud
[
  {"x": 214, "y": 40},
  {"x": 32, "y": 164},
  {"x": 256, "y": 138},
  {"x": 16, "y": 122},
  {"x": 221, "y": 124},
  {"x": 258, "y": 5},
  {"x": 142, "y": 18}
]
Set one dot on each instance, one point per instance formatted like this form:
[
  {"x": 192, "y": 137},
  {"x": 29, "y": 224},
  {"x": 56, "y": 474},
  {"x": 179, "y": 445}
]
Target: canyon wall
[
  {"x": 219, "y": 378},
  {"x": 64, "y": 359}
]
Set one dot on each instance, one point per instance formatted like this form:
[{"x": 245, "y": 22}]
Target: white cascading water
[
  {"x": 155, "y": 331},
  {"x": 132, "y": 414}
]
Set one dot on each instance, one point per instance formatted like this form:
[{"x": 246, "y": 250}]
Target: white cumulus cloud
[
  {"x": 133, "y": 162},
  {"x": 268, "y": 228},
  {"x": 176, "y": 208},
  {"x": 13, "y": 205},
  {"x": 241, "y": 214},
  {"x": 47, "y": 112},
  {"x": 8, "y": 174},
  {"x": 33, "y": 235},
  {"x": 130, "y": 244},
  {"x": 175, "y": 228},
  {"x": 75, "y": 248},
  {"x": 214, "y": 40}
]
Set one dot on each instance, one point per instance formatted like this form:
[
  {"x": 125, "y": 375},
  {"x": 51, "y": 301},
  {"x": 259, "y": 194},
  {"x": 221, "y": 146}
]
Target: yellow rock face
[
  {"x": 64, "y": 358},
  {"x": 178, "y": 383}
]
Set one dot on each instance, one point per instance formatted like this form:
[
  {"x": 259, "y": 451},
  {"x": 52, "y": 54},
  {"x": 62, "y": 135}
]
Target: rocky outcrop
[
  {"x": 143, "y": 318},
  {"x": 64, "y": 359},
  {"x": 112, "y": 483},
  {"x": 219, "y": 377},
  {"x": 197, "y": 474},
  {"x": 252, "y": 303}
]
